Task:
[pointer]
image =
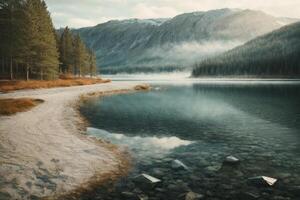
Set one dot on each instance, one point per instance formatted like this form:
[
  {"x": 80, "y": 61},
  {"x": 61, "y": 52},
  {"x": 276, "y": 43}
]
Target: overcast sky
[{"x": 82, "y": 13}]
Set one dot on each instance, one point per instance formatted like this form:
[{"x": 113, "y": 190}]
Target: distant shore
[{"x": 43, "y": 152}]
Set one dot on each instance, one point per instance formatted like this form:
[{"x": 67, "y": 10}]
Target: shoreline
[{"x": 43, "y": 151}]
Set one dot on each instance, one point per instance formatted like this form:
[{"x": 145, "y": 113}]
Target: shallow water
[{"x": 200, "y": 123}]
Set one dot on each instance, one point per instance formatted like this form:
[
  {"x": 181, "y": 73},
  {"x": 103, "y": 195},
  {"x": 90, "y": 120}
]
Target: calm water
[{"x": 200, "y": 124}]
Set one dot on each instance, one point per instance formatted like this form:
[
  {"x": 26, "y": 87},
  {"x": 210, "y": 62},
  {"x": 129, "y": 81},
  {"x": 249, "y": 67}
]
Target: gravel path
[{"x": 42, "y": 152}]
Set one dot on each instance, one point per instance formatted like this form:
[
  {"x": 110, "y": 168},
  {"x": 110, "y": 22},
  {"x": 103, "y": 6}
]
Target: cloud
[
  {"x": 78, "y": 13},
  {"x": 187, "y": 53},
  {"x": 145, "y": 11}
]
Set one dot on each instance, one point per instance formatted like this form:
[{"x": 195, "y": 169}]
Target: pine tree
[
  {"x": 47, "y": 55},
  {"x": 80, "y": 56},
  {"x": 10, "y": 34},
  {"x": 29, "y": 37},
  {"x": 28, "y": 44},
  {"x": 66, "y": 50},
  {"x": 92, "y": 64}
]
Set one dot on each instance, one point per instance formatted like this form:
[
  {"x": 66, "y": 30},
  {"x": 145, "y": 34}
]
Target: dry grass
[
  {"x": 12, "y": 106},
  {"x": 8, "y": 86}
]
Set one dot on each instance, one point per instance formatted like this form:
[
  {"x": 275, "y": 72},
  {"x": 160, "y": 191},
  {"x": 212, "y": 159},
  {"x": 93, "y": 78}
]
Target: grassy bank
[
  {"x": 12, "y": 106},
  {"x": 8, "y": 86}
]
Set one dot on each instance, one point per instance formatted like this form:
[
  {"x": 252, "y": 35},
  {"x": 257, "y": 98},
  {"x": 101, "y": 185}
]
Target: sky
[{"x": 83, "y": 13}]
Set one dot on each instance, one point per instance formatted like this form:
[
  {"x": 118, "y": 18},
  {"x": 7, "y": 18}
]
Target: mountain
[
  {"x": 168, "y": 44},
  {"x": 272, "y": 55}
]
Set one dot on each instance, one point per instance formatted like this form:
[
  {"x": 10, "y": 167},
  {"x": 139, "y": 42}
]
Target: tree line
[
  {"x": 273, "y": 55},
  {"x": 30, "y": 48}
]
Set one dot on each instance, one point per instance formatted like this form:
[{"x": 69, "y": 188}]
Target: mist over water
[
  {"x": 187, "y": 53},
  {"x": 200, "y": 123}
]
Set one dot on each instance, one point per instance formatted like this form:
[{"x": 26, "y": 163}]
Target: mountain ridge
[{"x": 173, "y": 42}]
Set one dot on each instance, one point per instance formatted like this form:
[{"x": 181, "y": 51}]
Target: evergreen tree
[
  {"x": 28, "y": 44},
  {"x": 92, "y": 63},
  {"x": 80, "y": 56},
  {"x": 10, "y": 34},
  {"x": 66, "y": 51},
  {"x": 47, "y": 55},
  {"x": 29, "y": 37}
]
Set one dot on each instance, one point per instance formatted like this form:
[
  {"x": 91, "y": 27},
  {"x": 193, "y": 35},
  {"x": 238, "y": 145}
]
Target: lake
[{"x": 200, "y": 123}]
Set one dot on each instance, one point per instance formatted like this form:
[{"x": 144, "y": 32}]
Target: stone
[
  {"x": 143, "y": 197},
  {"x": 295, "y": 190},
  {"x": 146, "y": 181},
  {"x": 193, "y": 196},
  {"x": 262, "y": 181},
  {"x": 158, "y": 172},
  {"x": 248, "y": 196},
  {"x": 280, "y": 198},
  {"x": 177, "y": 164},
  {"x": 231, "y": 160},
  {"x": 129, "y": 195},
  {"x": 213, "y": 168}
]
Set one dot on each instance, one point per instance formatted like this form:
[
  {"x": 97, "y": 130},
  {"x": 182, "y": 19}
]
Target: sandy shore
[{"x": 43, "y": 153}]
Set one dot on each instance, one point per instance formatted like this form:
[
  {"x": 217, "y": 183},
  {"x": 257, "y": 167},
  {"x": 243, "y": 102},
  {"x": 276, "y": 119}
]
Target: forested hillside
[
  {"x": 30, "y": 48},
  {"x": 276, "y": 54}
]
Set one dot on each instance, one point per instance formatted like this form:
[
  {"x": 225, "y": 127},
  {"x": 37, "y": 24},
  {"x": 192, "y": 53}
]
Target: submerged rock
[
  {"x": 231, "y": 160},
  {"x": 146, "y": 181},
  {"x": 262, "y": 181},
  {"x": 248, "y": 196},
  {"x": 129, "y": 196},
  {"x": 213, "y": 168},
  {"x": 143, "y": 197},
  {"x": 193, "y": 196},
  {"x": 295, "y": 190},
  {"x": 158, "y": 172},
  {"x": 177, "y": 164}
]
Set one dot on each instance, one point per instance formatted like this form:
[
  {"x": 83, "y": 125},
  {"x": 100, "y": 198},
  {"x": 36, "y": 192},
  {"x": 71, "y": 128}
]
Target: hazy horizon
[{"x": 78, "y": 14}]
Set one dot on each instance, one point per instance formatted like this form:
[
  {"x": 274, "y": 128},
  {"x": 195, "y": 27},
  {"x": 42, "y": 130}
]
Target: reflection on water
[
  {"x": 200, "y": 124},
  {"x": 151, "y": 147}
]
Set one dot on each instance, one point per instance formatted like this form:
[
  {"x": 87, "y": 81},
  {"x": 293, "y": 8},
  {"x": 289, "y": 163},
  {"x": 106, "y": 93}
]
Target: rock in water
[
  {"x": 262, "y": 180},
  {"x": 193, "y": 196},
  {"x": 177, "y": 164},
  {"x": 248, "y": 196},
  {"x": 146, "y": 181},
  {"x": 295, "y": 190},
  {"x": 231, "y": 160},
  {"x": 129, "y": 196}
]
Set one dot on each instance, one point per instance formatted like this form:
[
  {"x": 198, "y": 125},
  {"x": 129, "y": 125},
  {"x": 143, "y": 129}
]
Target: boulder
[{"x": 262, "y": 181}]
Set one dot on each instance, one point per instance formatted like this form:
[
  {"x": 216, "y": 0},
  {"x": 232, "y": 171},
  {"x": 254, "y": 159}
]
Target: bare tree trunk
[
  {"x": 3, "y": 63},
  {"x": 11, "y": 68},
  {"x": 17, "y": 70},
  {"x": 41, "y": 74},
  {"x": 27, "y": 72}
]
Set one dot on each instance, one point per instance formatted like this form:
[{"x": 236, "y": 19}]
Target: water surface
[{"x": 200, "y": 123}]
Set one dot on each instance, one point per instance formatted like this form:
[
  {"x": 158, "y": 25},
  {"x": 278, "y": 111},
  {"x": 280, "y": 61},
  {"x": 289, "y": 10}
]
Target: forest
[
  {"x": 272, "y": 55},
  {"x": 31, "y": 48}
]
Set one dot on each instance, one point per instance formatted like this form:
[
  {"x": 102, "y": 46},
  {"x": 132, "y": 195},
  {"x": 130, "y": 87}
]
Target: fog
[{"x": 187, "y": 53}]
